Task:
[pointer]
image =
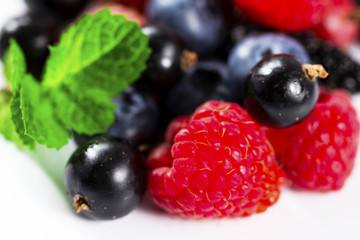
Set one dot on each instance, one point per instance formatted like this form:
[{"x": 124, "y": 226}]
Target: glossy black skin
[
  {"x": 164, "y": 64},
  {"x": 33, "y": 33},
  {"x": 136, "y": 118},
  {"x": 110, "y": 174},
  {"x": 63, "y": 8},
  {"x": 279, "y": 94},
  {"x": 204, "y": 81}
]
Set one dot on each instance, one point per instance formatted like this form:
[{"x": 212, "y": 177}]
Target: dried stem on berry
[
  {"x": 188, "y": 59},
  {"x": 313, "y": 71},
  {"x": 355, "y": 15},
  {"x": 81, "y": 203}
]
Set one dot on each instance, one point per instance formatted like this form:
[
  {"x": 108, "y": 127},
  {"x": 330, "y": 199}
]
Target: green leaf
[
  {"x": 7, "y": 128},
  {"x": 39, "y": 120},
  {"x": 16, "y": 116},
  {"x": 102, "y": 51},
  {"x": 94, "y": 61},
  {"x": 88, "y": 113},
  {"x": 14, "y": 62},
  {"x": 15, "y": 68}
]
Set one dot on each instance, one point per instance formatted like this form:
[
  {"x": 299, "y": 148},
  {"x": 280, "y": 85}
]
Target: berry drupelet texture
[
  {"x": 320, "y": 151},
  {"x": 223, "y": 166}
]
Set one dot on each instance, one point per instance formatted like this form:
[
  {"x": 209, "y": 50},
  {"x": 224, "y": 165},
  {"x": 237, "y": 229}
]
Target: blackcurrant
[
  {"x": 253, "y": 48},
  {"x": 63, "y": 8},
  {"x": 33, "y": 33},
  {"x": 105, "y": 178},
  {"x": 167, "y": 61},
  {"x": 282, "y": 90}
]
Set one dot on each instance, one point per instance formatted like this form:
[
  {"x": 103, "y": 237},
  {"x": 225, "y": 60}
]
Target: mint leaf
[
  {"x": 14, "y": 62},
  {"x": 7, "y": 128},
  {"x": 88, "y": 113},
  {"x": 94, "y": 61},
  {"x": 102, "y": 51},
  {"x": 37, "y": 110},
  {"x": 16, "y": 116},
  {"x": 15, "y": 68}
]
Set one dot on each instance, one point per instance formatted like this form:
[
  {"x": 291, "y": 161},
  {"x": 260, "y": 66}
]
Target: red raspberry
[
  {"x": 292, "y": 16},
  {"x": 319, "y": 152},
  {"x": 336, "y": 25},
  {"x": 135, "y": 4},
  {"x": 130, "y": 13},
  {"x": 175, "y": 126},
  {"x": 161, "y": 155},
  {"x": 223, "y": 165}
]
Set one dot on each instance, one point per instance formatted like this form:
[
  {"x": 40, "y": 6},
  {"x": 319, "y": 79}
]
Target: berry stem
[
  {"x": 81, "y": 203},
  {"x": 312, "y": 71},
  {"x": 355, "y": 15},
  {"x": 188, "y": 59}
]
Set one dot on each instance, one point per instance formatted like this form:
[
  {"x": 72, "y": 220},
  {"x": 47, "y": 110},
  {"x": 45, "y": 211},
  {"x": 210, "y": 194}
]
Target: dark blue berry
[
  {"x": 253, "y": 48},
  {"x": 136, "y": 118},
  {"x": 199, "y": 22},
  {"x": 204, "y": 81},
  {"x": 280, "y": 91},
  {"x": 106, "y": 178}
]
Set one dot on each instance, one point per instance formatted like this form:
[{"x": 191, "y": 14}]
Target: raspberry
[
  {"x": 320, "y": 151},
  {"x": 223, "y": 165},
  {"x": 161, "y": 155},
  {"x": 130, "y": 13},
  {"x": 135, "y": 4},
  {"x": 175, "y": 126},
  {"x": 292, "y": 16},
  {"x": 336, "y": 24}
]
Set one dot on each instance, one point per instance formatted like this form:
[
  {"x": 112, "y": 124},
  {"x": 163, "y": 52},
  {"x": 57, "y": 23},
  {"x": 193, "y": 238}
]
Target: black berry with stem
[
  {"x": 34, "y": 33},
  {"x": 282, "y": 90},
  {"x": 167, "y": 61},
  {"x": 106, "y": 178}
]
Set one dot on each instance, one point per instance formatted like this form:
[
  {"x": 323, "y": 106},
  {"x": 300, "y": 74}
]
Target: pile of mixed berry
[{"x": 239, "y": 99}]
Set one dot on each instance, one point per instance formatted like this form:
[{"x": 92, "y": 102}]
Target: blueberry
[
  {"x": 136, "y": 118},
  {"x": 33, "y": 33},
  {"x": 205, "y": 81},
  {"x": 236, "y": 34},
  {"x": 281, "y": 90},
  {"x": 63, "y": 8},
  {"x": 253, "y": 48},
  {"x": 105, "y": 178},
  {"x": 198, "y": 22}
]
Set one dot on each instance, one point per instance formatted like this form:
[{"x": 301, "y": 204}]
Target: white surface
[{"x": 34, "y": 206}]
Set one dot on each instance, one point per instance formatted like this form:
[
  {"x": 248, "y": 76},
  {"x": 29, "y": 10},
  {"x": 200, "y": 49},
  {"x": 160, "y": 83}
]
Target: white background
[{"x": 33, "y": 203}]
